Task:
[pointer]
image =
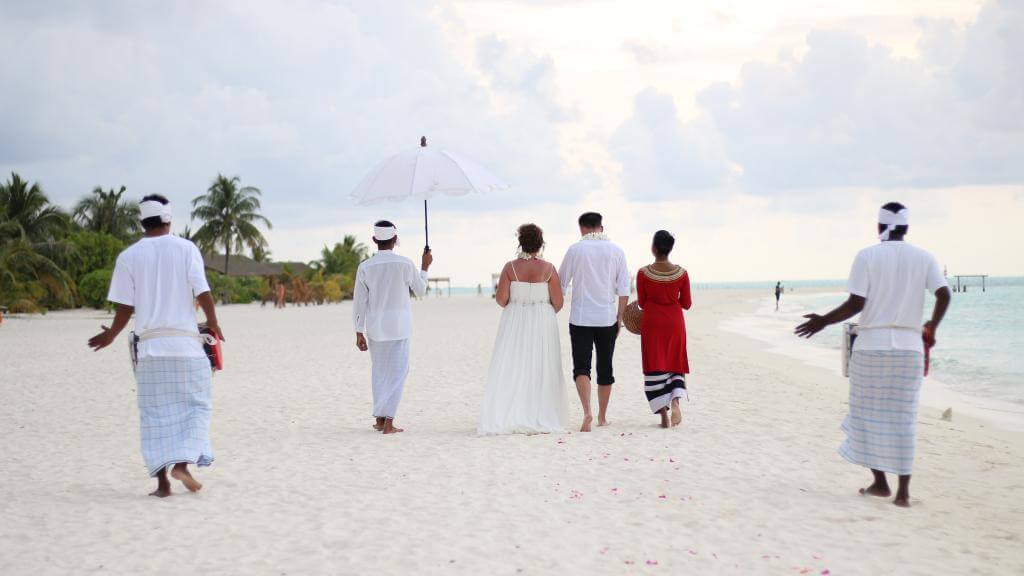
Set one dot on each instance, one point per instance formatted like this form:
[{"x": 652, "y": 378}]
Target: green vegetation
[
  {"x": 52, "y": 259},
  {"x": 229, "y": 214}
]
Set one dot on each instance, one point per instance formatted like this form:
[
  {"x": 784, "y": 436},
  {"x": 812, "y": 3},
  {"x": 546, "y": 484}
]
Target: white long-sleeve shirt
[
  {"x": 381, "y": 307},
  {"x": 597, "y": 271}
]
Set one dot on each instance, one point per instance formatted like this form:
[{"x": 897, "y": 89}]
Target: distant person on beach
[
  {"x": 887, "y": 287},
  {"x": 778, "y": 294},
  {"x": 382, "y": 314},
  {"x": 156, "y": 279},
  {"x": 596, "y": 270},
  {"x": 279, "y": 290},
  {"x": 525, "y": 391},
  {"x": 663, "y": 292}
]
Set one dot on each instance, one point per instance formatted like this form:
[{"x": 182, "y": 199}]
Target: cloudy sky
[{"x": 764, "y": 135}]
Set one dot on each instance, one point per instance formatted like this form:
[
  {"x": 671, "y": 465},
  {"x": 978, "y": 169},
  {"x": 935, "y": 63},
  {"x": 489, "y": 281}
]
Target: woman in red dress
[{"x": 663, "y": 291}]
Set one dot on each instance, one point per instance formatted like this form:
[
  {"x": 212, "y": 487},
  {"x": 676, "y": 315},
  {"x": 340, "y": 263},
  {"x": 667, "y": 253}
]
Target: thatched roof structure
[
  {"x": 238, "y": 266},
  {"x": 245, "y": 266}
]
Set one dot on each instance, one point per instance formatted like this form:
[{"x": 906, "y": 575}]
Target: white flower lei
[
  {"x": 525, "y": 256},
  {"x": 595, "y": 236}
]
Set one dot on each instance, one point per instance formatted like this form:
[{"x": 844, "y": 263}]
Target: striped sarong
[
  {"x": 662, "y": 387},
  {"x": 174, "y": 396},
  {"x": 882, "y": 424},
  {"x": 390, "y": 367}
]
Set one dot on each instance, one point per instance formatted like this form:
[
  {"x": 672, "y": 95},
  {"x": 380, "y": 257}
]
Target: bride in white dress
[{"x": 525, "y": 390}]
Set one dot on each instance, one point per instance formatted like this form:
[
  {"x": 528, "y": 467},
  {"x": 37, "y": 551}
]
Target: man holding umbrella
[{"x": 382, "y": 314}]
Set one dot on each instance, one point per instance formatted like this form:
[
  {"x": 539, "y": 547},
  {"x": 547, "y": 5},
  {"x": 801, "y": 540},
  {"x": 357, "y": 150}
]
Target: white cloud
[
  {"x": 663, "y": 158},
  {"x": 299, "y": 99},
  {"x": 850, "y": 113}
]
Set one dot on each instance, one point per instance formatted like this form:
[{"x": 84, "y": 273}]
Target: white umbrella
[{"x": 424, "y": 173}]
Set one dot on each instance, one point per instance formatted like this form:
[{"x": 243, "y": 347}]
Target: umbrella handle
[{"x": 426, "y": 228}]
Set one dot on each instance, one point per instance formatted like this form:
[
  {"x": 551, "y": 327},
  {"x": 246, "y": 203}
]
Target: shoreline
[{"x": 936, "y": 396}]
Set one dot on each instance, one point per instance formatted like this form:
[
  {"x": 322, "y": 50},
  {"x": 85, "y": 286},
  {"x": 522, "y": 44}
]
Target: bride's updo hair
[{"x": 531, "y": 238}]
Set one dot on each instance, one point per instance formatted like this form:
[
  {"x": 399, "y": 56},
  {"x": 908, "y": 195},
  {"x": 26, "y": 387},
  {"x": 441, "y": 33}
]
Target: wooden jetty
[
  {"x": 437, "y": 285},
  {"x": 961, "y": 284}
]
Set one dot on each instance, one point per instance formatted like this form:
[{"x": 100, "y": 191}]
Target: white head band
[
  {"x": 384, "y": 233},
  {"x": 891, "y": 220},
  {"x": 152, "y": 209}
]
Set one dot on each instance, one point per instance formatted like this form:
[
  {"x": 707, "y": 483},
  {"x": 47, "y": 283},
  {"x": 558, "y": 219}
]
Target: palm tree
[
  {"x": 26, "y": 212},
  {"x": 26, "y": 276},
  {"x": 344, "y": 258},
  {"x": 106, "y": 212},
  {"x": 261, "y": 253},
  {"x": 229, "y": 213}
]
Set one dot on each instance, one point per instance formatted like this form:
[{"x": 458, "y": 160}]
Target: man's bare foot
[
  {"x": 902, "y": 500},
  {"x": 876, "y": 490},
  {"x": 677, "y": 414},
  {"x": 161, "y": 492},
  {"x": 181, "y": 474},
  {"x": 664, "y": 417},
  {"x": 601, "y": 420},
  {"x": 378, "y": 424},
  {"x": 586, "y": 423},
  {"x": 389, "y": 427}
]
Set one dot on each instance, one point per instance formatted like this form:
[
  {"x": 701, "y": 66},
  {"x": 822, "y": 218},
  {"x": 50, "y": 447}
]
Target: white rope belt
[{"x": 171, "y": 333}]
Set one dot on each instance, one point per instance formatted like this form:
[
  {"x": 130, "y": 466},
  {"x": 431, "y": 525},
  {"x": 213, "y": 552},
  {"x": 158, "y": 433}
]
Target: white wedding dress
[{"x": 525, "y": 390}]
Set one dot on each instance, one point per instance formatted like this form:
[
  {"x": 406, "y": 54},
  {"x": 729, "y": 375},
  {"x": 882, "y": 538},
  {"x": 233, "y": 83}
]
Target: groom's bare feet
[
  {"x": 181, "y": 474},
  {"x": 586, "y": 423},
  {"x": 389, "y": 427},
  {"x": 163, "y": 486},
  {"x": 677, "y": 414},
  {"x": 378, "y": 424},
  {"x": 664, "y": 417},
  {"x": 602, "y": 420}
]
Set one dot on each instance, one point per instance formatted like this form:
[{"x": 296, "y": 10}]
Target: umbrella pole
[{"x": 426, "y": 228}]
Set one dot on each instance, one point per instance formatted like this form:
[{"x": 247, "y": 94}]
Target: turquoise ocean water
[
  {"x": 980, "y": 351},
  {"x": 981, "y": 341}
]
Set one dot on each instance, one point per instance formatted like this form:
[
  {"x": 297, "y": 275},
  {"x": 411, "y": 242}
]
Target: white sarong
[
  {"x": 390, "y": 359},
  {"x": 882, "y": 424},
  {"x": 174, "y": 395}
]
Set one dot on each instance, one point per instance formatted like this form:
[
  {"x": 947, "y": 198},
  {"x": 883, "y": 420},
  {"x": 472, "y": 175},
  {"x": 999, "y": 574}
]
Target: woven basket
[{"x": 632, "y": 317}]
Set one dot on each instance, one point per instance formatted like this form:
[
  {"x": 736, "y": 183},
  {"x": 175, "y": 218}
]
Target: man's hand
[
  {"x": 427, "y": 260},
  {"x": 361, "y": 342},
  {"x": 102, "y": 340},
  {"x": 928, "y": 334},
  {"x": 215, "y": 328},
  {"x": 814, "y": 324}
]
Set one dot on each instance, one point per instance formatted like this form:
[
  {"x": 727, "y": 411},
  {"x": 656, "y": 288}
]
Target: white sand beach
[{"x": 750, "y": 483}]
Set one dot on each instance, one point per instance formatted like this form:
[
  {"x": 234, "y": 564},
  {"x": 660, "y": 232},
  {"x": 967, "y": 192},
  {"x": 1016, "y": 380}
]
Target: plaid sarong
[
  {"x": 882, "y": 423},
  {"x": 174, "y": 396}
]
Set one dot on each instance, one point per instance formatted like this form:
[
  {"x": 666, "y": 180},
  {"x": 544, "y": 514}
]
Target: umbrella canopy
[{"x": 424, "y": 173}]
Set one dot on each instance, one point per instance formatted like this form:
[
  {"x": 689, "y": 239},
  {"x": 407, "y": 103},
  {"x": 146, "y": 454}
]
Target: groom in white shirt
[
  {"x": 382, "y": 314},
  {"x": 596, "y": 269}
]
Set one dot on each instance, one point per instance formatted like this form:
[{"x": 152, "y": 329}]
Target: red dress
[{"x": 663, "y": 296}]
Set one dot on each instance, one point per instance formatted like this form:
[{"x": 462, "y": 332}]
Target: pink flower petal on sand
[
  {"x": 662, "y": 497},
  {"x": 715, "y": 555},
  {"x": 652, "y": 562},
  {"x": 815, "y": 557},
  {"x": 693, "y": 552},
  {"x": 630, "y": 562},
  {"x": 825, "y": 572},
  {"x": 765, "y": 557},
  {"x": 671, "y": 461}
]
